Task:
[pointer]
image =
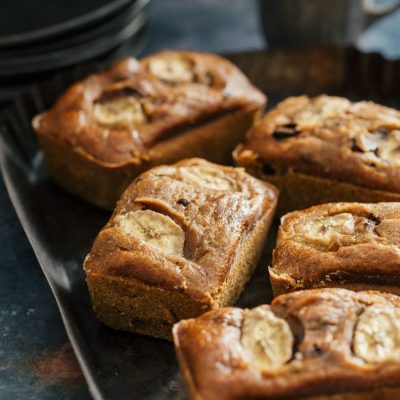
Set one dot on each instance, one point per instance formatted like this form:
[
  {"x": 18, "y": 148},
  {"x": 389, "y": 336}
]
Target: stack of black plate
[{"x": 41, "y": 36}]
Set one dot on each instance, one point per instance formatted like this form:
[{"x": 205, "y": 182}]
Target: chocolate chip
[
  {"x": 285, "y": 131},
  {"x": 374, "y": 219},
  {"x": 128, "y": 91},
  {"x": 183, "y": 202},
  {"x": 355, "y": 147},
  {"x": 317, "y": 349},
  {"x": 114, "y": 94},
  {"x": 267, "y": 169}
]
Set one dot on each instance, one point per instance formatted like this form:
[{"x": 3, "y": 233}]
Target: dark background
[{"x": 36, "y": 361}]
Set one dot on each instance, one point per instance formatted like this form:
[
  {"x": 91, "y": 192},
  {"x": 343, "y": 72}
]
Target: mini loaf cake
[
  {"x": 184, "y": 239},
  {"x": 310, "y": 345},
  {"x": 326, "y": 149},
  {"x": 110, "y": 127},
  {"x": 349, "y": 245}
]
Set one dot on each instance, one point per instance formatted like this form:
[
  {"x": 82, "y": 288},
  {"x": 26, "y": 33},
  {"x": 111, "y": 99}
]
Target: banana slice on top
[
  {"x": 266, "y": 339},
  {"x": 324, "y": 229},
  {"x": 377, "y": 334},
  {"x": 124, "y": 110},
  {"x": 389, "y": 149},
  {"x": 172, "y": 69},
  {"x": 322, "y": 108},
  {"x": 208, "y": 177},
  {"x": 154, "y": 228}
]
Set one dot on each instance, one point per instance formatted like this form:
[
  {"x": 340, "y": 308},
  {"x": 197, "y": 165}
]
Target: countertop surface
[{"x": 36, "y": 360}]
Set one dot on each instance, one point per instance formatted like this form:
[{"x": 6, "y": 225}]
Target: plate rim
[{"x": 63, "y": 27}]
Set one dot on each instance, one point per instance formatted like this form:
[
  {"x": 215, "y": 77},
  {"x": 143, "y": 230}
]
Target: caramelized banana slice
[
  {"x": 125, "y": 110},
  {"x": 324, "y": 229},
  {"x": 208, "y": 177},
  {"x": 377, "y": 334},
  {"x": 368, "y": 141},
  {"x": 266, "y": 339},
  {"x": 172, "y": 69},
  {"x": 322, "y": 108},
  {"x": 389, "y": 150},
  {"x": 155, "y": 229}
]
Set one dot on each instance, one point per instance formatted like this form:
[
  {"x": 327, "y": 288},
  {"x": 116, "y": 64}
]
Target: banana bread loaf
[
  {"x": 184, "y": 239},
  {"x": 110, "y": 127},
  {"x": 326, "y": 149},
  {"x": 349, "y": 245},
  {"x": 310, "y": 345}
]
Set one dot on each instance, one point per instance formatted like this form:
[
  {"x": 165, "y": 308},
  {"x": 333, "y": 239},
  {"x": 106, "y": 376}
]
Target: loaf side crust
[
  {"x": 130, "y": 305},
  {"x": 349, "y": 245},
  {"x": 102, "y": 184}
]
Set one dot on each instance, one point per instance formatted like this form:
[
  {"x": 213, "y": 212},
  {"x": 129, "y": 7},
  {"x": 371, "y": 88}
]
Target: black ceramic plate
[
  {"x": 61, "y": 228},
  {"x": 91, "y": 45},
  {"x": 105, "y": 29},
  {"x": 12, "y": 87},
  {"x": 42, "y": 20}
]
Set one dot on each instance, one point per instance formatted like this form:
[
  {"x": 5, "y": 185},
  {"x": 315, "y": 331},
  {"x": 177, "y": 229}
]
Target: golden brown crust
[
  {"x": 327, "y": 137},
  {"x": 384, "y": 393},
  {"x": 204, "y": 213},
  {"x": 332, "y": 357},
  {"x": 120, "y": 119},
  {"x": 338, "y": 244},
  {"x": 103, "y": 185},
  {"x": 216, "y": 86}
]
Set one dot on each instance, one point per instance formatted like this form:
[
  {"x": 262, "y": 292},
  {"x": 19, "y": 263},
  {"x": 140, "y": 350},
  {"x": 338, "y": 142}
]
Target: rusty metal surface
[
  {"x": 61, "y": 228},
  {"x": 36, "y": 359}
]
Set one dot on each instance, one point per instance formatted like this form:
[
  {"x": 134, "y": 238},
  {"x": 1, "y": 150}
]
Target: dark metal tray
[{"x": 61, "y": 228}]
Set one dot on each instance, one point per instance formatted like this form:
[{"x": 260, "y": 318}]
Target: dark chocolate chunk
[
  {"x": 285, "y": 131},
  {"x": 374, "y": 219},
  {"x": 183, "y": 202},
  {"x": 129, "y": 91},
  {"x": 355, "y": 147},
  {"x": 123, "y": 92},
  {"x": 317, "y": 349},
  {"x": 267, "y": 169}
]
